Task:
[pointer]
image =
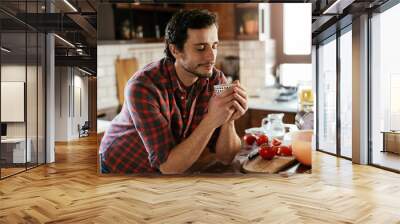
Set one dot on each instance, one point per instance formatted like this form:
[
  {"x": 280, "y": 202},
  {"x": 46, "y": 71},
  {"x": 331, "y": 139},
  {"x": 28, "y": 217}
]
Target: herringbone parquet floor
[{"x": 70, "y": 191}]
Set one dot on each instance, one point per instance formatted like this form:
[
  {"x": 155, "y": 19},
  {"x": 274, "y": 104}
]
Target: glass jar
[
  {"x": 305, "y": 96},
  {"x": 273, "y": 125},
  {"x": 305, "y": 116}
]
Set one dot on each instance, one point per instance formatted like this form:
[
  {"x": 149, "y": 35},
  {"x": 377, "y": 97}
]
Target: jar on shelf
[{"x": 139, "y": 31}]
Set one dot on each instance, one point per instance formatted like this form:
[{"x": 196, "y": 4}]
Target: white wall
[{"x": 67, "y": 114}]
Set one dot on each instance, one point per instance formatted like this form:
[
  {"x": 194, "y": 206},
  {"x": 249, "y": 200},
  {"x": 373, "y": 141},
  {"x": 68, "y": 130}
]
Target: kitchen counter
[{"x": 271, "y": 105}]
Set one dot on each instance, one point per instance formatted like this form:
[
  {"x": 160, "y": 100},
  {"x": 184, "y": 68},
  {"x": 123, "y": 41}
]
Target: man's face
[{"x": 199, "y": 51}]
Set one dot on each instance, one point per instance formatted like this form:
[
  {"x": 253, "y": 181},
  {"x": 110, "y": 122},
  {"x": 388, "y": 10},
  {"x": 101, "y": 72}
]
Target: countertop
[{"x": 267, "y": 104}]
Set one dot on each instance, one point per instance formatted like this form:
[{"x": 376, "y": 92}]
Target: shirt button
[{"x": 182, "y": 97}]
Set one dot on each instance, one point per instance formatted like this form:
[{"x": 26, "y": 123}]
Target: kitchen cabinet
[
  {"x": 252, "y": 21},
  {"x": 147, "y": 22},
  {"x": 142, "y": 22},
  {"x": 226, "y": 17},
  {"x": 242, "y": 21}
]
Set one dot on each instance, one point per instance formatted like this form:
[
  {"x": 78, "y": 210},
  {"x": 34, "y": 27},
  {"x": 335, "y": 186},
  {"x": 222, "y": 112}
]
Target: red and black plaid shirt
[{"x": 155, "y": 117}]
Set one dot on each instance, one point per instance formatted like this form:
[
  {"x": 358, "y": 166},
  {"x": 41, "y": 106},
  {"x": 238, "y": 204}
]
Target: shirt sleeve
[{"x": 143, "y": 104}]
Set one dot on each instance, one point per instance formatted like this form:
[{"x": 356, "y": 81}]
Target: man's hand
[
  {"x": 240, "y": 101},
  {"x": 221, "y": 108}
]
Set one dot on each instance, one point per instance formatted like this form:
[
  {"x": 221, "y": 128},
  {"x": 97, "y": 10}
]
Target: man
[{"x": 170, "y": 117}]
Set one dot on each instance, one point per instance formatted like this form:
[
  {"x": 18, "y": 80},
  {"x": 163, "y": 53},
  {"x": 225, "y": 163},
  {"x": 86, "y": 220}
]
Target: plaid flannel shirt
[{"x": 156, "y": 117}]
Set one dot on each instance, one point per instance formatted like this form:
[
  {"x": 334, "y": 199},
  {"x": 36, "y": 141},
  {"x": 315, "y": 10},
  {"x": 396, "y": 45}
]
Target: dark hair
[{"x": 176, "y": 29}]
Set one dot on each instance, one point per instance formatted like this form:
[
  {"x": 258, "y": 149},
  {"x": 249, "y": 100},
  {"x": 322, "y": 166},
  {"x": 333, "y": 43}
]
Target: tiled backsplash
[{"x": 256, "y": 60}]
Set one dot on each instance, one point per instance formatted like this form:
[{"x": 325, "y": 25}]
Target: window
[
  {"x": 22, "y": 66},
  {"x": 327, "y": 96},
  {"x": 385, "y": 87},
  {"x": 293, "y": 74},
  {"x": 346, "y": 94},
  {"x": 297, "y": 29}
]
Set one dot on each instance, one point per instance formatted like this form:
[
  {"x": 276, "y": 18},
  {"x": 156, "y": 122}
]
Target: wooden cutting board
[
  {"x": 259, "y": 165},
  {"x": 124, "y": 69}
]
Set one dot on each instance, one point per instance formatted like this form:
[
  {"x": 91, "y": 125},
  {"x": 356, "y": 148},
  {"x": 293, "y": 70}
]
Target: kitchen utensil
[{"x": 253, "y": 154}]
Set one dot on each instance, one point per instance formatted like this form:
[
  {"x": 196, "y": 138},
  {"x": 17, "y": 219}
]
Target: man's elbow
[
  {"x": 225, "y": 159},
  {"x": 165, "y": 169}
]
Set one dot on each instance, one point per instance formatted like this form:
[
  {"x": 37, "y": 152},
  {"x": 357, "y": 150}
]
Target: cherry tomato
[
  {"x": 249, "y": 139},
  {"x": 266, "y": 152},
  {"x": 284, "y": 150},
  {"x": 276, "y": 142},
  {"x": 262, "y": 139}
]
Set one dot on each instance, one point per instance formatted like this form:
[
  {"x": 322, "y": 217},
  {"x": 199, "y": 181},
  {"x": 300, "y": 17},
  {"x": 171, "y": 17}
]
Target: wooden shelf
[
  {"x": 246, "y": 5},
  {"x": 146, "y": 40},
  {"x": 132, "y": 41},
  {"x": 147, "y": 7},
  {"x": 247, "y": 36}
]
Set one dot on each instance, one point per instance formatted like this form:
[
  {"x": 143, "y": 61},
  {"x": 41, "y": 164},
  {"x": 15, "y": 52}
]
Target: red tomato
[
  {"x": 266, "y": 152},
  {"x": 284, "y": 150},
  {"x": 249, "y": 139},
  {"x": 262, "y": 139},
  {"x": 276, "y": 142}
]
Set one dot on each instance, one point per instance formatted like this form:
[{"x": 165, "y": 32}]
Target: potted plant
[{"x": 250, "y": 22}]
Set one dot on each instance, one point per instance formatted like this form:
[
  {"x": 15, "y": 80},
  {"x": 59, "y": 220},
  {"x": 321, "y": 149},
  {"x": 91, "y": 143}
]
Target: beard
[{"x": 196, "y": 73}]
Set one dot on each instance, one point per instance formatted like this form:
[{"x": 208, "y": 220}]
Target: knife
[{"x": 253, "y": 154}]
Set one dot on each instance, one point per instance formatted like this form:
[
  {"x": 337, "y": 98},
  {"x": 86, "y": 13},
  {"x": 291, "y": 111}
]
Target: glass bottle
[{"x": 304, "y": 118}]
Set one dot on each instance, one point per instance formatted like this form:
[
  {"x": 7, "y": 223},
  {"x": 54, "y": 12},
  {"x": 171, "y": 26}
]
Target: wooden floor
[
  {"x": 70, "y": 191},
  {"x": 10, "y": 171},
  {"x": 387, "y": 159}
]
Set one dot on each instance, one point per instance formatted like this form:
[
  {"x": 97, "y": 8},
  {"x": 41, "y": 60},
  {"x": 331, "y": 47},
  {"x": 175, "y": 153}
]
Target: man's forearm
[
  {"x": 185, "y": 154},
  {"x": 228, "y": 143}
]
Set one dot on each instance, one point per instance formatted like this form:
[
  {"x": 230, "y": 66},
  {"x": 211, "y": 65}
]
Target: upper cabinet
[
  {"x": 142, "y": 22},
  {"x": 241, "y": 21},
  {"x": 252, "y": 21},
  {"x": 147, "y": 22},
  {"x": 226, "y": 17}
]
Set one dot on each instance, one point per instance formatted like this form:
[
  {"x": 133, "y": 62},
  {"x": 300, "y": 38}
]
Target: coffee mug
[{"x": 218, "y": 89}]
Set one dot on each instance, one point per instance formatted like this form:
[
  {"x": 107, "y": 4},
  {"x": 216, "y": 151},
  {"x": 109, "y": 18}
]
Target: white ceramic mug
[{"x": 218, "y": 89}]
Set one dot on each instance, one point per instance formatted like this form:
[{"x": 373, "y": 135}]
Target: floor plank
[{"x": 70, "y": 191}]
